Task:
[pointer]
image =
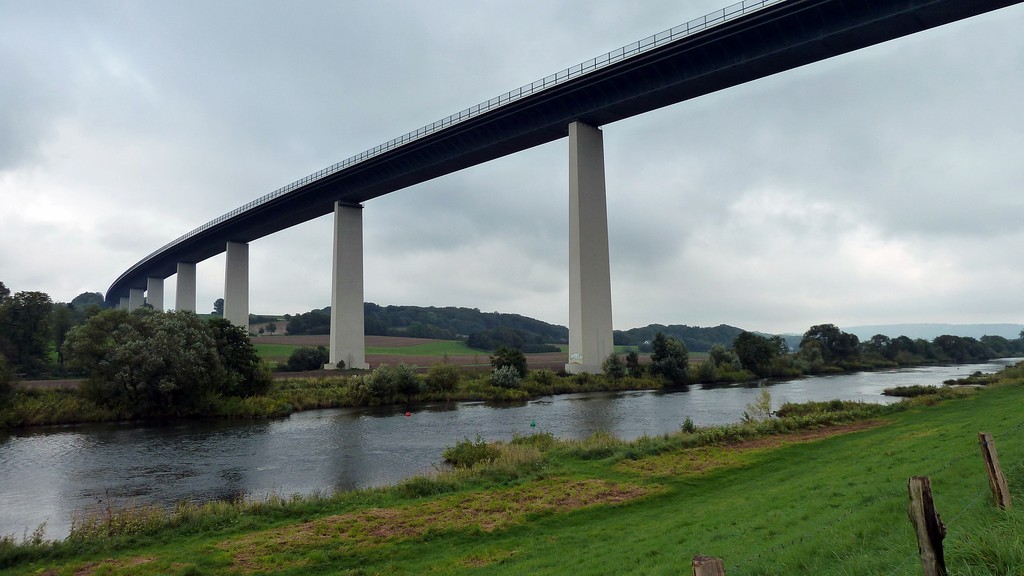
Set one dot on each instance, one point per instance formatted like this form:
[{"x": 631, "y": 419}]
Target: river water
[{"x": 47, "y": 475}]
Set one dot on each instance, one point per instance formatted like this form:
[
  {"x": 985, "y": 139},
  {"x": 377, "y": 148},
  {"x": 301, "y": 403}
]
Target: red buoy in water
[{"x": 407, "y": 414}]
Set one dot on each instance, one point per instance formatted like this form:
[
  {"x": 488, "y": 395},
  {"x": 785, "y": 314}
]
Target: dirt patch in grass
[
  {"x": 486, "y": 511},
  {"x": 693, "y": 461}
]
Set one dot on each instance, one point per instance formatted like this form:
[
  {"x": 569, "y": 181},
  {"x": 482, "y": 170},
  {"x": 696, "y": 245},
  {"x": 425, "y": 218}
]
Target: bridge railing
[{"x": 629, "y": 50}]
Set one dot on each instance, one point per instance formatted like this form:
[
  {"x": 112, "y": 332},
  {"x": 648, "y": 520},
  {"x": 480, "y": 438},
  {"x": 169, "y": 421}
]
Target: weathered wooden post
[
  {"x": 928, "y": 526},
  {"x": 708, "y": 566},
  {"x": 996, "y": 479}
]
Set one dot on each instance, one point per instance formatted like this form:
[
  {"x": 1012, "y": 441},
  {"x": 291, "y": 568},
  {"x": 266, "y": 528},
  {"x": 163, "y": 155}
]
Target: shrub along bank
[{"x": 768, "y": 496}]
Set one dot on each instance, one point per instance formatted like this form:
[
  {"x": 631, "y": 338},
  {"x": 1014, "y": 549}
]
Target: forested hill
[
  {"x": 697, "y": 339},
  {"x": 446, "y": 323},
  {"x": 449, "y": 323}
]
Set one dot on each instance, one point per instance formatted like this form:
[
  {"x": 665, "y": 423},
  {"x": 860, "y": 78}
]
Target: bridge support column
[
  {"x": 347, "y": 340},
  {"x": 136, "y": 298},
  {"x": 590, "y": 293},
  {"x": 236, "y": 285},
  {"x": 122, "y": 304},
  {"x": 185, "y": 293},
  {"x": 155, "y": 293}
]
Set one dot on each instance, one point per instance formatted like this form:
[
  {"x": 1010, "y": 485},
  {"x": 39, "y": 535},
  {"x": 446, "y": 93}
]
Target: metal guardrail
[{"x": 639, "y": 47}]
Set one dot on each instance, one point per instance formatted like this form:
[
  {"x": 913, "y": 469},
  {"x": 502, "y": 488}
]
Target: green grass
[
  {"x": 275, "y": 351},
  {"x": 439, "y": 349},
  {"x": 786, "y": 504}
]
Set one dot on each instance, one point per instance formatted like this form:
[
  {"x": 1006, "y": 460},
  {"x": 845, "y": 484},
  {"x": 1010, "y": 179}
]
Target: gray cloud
[{"x": 880, "y": 186}]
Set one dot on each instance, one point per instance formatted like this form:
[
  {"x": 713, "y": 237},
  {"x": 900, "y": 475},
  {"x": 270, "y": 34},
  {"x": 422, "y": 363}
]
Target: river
[{"x": 46, "y": 475}]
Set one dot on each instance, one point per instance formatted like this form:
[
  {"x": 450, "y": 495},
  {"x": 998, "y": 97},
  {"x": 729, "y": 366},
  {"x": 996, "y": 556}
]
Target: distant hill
[
  {"x": 931, "y": 331},
  {"x": 696, "y": 338},
  {"x": 450, "y": 323},
  {"x": 446, "y": 323}
]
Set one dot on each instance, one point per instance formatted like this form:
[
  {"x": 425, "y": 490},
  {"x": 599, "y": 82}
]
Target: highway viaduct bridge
[{"x": 737, "y": 44}]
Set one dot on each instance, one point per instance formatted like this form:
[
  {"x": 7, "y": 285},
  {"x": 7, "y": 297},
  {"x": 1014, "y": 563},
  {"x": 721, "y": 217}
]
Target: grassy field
[
  {"x": 431, "y": 348},
  {"x": 279, "y": 351},
  {"x": 814, "y": 501}
]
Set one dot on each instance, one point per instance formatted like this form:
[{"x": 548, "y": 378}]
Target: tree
[
  {"x": 5, "y": 379},
  {"x": 218, "y": 307},
  {"x": 308, "y": 358},
  {"x": 271, "y": 327},
  {"x": 836, "y": 344},
  {"x": 247, "y": 374},
  {"x": 669, "y": 359},
  {"x": 505, "y": 356},
  {"x": 5, "y": 292},
  {"x": 86, "y": 299},
  {"x": 881, "y": 345},
  {"x": 63, "y": 320},
  {"x": 722, "y": 357},
  {"x": 148, "y": 363},
  {"x": 755, "y": 353},
  {"x": 633, "y": 364},
  {"x": 25, "y": 331}
]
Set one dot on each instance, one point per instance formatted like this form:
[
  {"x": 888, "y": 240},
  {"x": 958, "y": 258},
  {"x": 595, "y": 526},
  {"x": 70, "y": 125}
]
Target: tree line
[
  {"x": 448, "y": 323},
  {"x": 141, "y": 364}
]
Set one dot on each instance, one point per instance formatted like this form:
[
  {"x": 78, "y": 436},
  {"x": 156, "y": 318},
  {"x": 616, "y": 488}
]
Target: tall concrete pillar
[
  {"x": 347, "y": 341},
  {"x": 236, "y": 284},
  {"x": 185, "y": 293},
  {"x": 136, "y": 298},
  {"x": 122, "y": 303},
  {"x": 155, "y": 293},
  {"x": 590, "y": 292}
]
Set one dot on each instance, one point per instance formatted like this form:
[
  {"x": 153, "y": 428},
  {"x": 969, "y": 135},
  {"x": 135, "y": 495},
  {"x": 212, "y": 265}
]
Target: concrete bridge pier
[
  {"x": 122, "y": 303},
  {"x": 590, "y": 292},
  {"x": 136, "y": 298},
  {"x": 347, "y": 322},
  {"x": 155, "y": 293},
  {"x": 185, "y": 293},
  {"x": 236, "y": 285}
]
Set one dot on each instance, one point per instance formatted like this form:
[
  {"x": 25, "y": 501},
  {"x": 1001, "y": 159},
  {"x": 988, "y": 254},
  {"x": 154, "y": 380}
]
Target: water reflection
[{"x": 46, "y": 475}]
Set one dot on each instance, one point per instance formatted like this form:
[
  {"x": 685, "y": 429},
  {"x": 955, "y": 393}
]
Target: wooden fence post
[
  {"x": 928, "y": 525},
  {"x": 708, "y": 566},
  {"x": 996, "y": 479}
]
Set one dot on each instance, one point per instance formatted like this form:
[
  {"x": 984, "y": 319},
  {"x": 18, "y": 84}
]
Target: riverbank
[
  {"x": 768, "y": 498},
  {"x": 63, "y": 404}
]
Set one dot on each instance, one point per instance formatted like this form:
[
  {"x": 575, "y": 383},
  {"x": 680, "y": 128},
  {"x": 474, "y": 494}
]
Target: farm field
[{"x": 420, "y": 352}]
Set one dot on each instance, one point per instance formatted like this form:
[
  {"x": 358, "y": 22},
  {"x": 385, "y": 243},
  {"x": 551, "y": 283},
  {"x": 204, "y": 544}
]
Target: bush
[
  {"x": 505, "y": 357},
  {"x": 382, "y": 382},
  {"x": 467, "y": 453},
  {"x": 613, "y": 367},
  {"x": 506, "y": 377},
  {"x": 760, "y": 409},
  {"x": 442, "y": 377},
  {"x": 406, "y": 381},
  {"x": 910, "y": 391},
  {"x": 306, "y": 359}
]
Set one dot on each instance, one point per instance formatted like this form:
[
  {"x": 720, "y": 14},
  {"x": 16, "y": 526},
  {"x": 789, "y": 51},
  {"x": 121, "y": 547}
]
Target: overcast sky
[{"x": 883, "y": 186}]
